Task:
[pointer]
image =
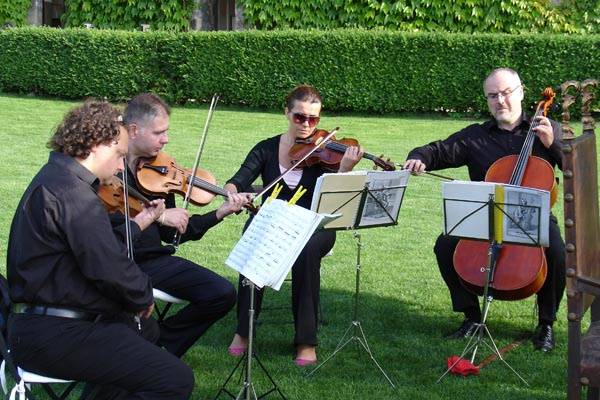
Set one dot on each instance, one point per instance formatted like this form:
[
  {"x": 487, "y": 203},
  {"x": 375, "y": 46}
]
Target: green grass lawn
[{"x": 405, "y": 307}]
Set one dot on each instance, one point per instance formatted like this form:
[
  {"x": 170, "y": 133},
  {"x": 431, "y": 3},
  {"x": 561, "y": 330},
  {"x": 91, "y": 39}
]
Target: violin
[
  {"x": 330, "y": 155},
  {"x": 112, "y": 195},
  {"x": 162, "y": 175},
  {"x": 520, "y": 270}
]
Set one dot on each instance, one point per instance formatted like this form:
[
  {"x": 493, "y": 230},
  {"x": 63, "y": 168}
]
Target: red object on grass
[{"x": 463, "y": 367}]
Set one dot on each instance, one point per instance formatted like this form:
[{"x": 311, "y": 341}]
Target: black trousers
[
  {"x": 210, "y": 297},
  {"x": 548, "y": 297},
  {"x": 110, "y": 353},
  {"x": 306, "y": 281}
]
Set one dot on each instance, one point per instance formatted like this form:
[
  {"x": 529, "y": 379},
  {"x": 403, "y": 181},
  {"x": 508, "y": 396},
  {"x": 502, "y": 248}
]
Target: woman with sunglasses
[{"x": 269, "y": 158}]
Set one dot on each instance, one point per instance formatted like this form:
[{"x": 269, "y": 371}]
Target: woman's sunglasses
[{"x": 300, "y": 119}]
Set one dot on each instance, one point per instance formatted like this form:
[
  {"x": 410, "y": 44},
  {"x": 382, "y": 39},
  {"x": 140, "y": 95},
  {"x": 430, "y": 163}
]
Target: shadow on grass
[{"x": 405, "y": 338}]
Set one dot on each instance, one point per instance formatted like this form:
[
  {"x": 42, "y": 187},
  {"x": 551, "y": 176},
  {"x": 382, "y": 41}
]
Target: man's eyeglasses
[
  {"x": 300, "y": 119},
  {"x": 505, "y": 93}
]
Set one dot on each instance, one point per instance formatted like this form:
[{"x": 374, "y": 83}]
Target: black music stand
[
  {"x": 379, "y": 206},
  {"x": 247, "y": 391},
  {"x": 264, "y": 256},
  {"x": 486, "y": 209}
]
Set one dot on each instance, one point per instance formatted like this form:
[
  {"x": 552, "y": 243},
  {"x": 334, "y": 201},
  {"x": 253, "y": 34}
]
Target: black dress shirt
[
  {"x": 479, "y": 145},
  {"x": 263, "y": 160},
  {"x": 62, "y": 250},
  {"x": 148, "y": 243}
]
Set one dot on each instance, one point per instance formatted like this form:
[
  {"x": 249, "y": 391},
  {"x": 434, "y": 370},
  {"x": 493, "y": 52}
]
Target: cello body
[{"x": 520, "y": 270}]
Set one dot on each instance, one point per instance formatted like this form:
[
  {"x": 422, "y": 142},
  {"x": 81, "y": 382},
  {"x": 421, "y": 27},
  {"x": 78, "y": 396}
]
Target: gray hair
[
  {"x": 510, "y": 71},
  {"x": 143, "y": 108}
]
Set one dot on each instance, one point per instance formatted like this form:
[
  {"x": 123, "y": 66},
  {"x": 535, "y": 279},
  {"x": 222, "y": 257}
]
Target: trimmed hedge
[{"x": 377, "y": 71}]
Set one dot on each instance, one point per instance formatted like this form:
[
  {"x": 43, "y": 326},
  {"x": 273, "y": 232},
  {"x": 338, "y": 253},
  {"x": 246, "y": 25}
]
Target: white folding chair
[
  {"x": 168, "y": 299},
  {"x": 21, "y": 389}
]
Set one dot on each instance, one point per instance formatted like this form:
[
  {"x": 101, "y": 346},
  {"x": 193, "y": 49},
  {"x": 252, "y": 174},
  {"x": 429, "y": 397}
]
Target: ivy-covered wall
[
  {"x": 485, "y": 16},
  {"x": 173, "y": 15},
  {"x": 377, "y": 71},
  {"x": 14, "y": 12}
]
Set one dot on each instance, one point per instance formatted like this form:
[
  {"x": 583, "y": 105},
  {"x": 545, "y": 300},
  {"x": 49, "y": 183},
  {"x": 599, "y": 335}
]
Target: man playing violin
[
  {"x": 268, "y": 159},
  {"x": 77, "y": 297},
  {"x": 477, "y": 147},
  {"x": 210, "y": 296}
]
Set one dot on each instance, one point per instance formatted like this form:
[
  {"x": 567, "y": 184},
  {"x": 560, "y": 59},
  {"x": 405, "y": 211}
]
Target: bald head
[{"x": 504, "y": 93}]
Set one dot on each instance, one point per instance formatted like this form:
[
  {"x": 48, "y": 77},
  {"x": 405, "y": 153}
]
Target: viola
[
  {"x": 520, "y": 270},
  {"x": 329, "y": 155},
  {"x": 162, "y": 175},
  {"x": 112, "y": 195}
]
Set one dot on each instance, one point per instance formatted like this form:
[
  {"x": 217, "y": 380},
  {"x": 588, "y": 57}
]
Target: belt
[{"x": 22, "y": 308}]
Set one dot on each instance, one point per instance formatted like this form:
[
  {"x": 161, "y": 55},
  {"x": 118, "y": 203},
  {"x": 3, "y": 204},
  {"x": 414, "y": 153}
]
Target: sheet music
[
  {"x": 384, "y": 197},
  {"x": 339, "y": 193},
  {"x": 271, "y": 244},
  {"x": 522, "y": 214},
  {"x": 462, "y": 198},
  {"x": 527, "y": 216}
]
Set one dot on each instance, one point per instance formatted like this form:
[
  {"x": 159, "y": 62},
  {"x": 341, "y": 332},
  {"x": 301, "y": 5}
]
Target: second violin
[
  {"x": 113, "y": 197},
  {"x": 162, "y": 175}
]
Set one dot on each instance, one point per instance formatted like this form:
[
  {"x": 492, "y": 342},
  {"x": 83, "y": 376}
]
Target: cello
[{"x": 520, "y": 270}]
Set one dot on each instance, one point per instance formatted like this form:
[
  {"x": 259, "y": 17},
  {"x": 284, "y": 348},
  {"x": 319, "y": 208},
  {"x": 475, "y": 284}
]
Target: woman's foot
[
  {"x": 238, "y": 346},
  {"x": 305, "y": 355}
]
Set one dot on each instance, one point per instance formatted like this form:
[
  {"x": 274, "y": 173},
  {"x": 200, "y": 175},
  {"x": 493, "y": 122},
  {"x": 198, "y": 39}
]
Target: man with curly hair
[
  {"x": 77, "y": 298},
  {"x": 210, "y": 296}
]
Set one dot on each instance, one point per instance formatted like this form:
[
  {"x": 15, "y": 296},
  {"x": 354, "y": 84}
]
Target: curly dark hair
[{"x": 91, "y": 124}]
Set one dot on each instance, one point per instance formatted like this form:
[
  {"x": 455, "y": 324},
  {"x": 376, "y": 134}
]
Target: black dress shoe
[
  {"x": 466, "y": 330},
  {"x": 543, "y": 338}
]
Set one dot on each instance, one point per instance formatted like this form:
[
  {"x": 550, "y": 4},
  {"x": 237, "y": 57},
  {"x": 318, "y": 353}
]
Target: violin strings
[
  {"x": 206, "y": 185},
  {"x": 134, "y": 192}
]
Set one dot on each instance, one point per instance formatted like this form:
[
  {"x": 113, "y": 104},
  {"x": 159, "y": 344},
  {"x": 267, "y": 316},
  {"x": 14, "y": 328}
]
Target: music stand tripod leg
[
  {"x": 355, "y": 325},
  {"x": 482, "y": 332},
  {"x": 247, "y": 391}
]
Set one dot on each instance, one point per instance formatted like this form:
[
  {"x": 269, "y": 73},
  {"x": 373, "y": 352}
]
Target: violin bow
[
  {"x": 294, "y": 165},
  {"x": 128, "y": 235},
  {"x": 427, "y": 173},
  {"x": 126, "y": 211},
  {"x": 186, "y": 199}
]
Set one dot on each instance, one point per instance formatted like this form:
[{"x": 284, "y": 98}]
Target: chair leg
[
  {"x": 322, "y": 320},
  {"x": 18, "y": 390},
  {"x": 593, "y": 393},
  {"x": 162, "y": 313}
]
